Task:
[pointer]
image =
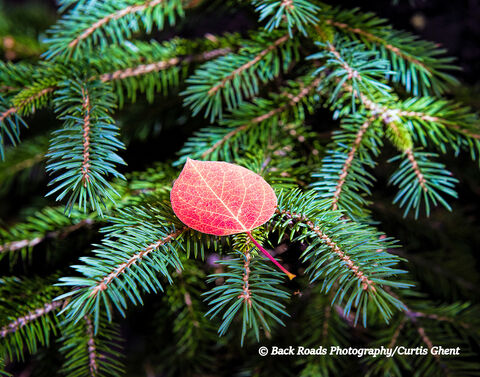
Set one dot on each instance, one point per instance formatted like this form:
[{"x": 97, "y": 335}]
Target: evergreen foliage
[{"x": 251, "y": 98}]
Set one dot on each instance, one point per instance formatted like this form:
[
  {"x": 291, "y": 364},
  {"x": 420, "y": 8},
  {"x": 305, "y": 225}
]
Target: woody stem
[{"x": 259, "y": 247}]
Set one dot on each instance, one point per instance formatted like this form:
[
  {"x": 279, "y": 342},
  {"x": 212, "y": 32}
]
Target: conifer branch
[
  {"x": 90, "y": 351},
  {"x": 421, "y": 181},
  {"x": 229, "y": 80},
  {"x": 86, "y": 26},
  {"x": 348, "y": 163},
  {"x": 367, "y": 284},
  {"x": 92, "y": 354},
  {"x": 86, "y": 137},
  {"x": 47, "y": 223},
  {"x": 419, "y": 65},
  {"x": 114, "y": 16},
  {"x": 144, "y": 69},
  {"x": 352, "y": 73},
  {"x": 246, "y": 294},
  {"x": 84, "y": 150},
  {"x": 5, "y": 114},
  {"x": 24, "y": 102},
  {"x": 21, "y": 244},
  {"x": 294, "y": 14},
  {"x": 10, "y": 122},
  {"x": 293, "y": 101},
  {"x": 397, "y": 332},
  {"x": 418, "y": 173},
  {"x": 376, "y": 39},
  {"x": 263, "y": 304},
  {"x": 20, "y": 322},
  {"x": 106, "y": 281},
  {"x": 248, "y": 65},
  {"x": 343, "y": 265}
]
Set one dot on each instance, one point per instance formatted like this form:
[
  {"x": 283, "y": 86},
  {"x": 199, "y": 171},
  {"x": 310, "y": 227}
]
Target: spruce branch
[
  {"x": 15, "y": 76},
  {"x": 104, "y": 283},
  {"x": 85, "y": 26},
  {"x": 344, "y": 178},
  {"x": 295, "y": 14},
  {"x": 335, "y": 259},
  {"x": 91, "y": 354},
  {"x": 348, "y": 162},
  {"x": 152, "y": 67},
  {"x": 421, "y": 182},
  {"x": 10, "y": 123},
  {"x": 144, "y": 69},
  {"x": 84, "y": 151},
  {"x": 130, "y": 260},
  {"x": 250, "y": 291},
  {"x": 20, "y": 322},
  {"x": 229, "y": 80},
  {"x": 28, "y": 315},
  {"x": 27, "y": 235},
  {"x": 215, "y": 143},
  {"x": 419, "y": 65},
  {"x": 350, "y": 65}
]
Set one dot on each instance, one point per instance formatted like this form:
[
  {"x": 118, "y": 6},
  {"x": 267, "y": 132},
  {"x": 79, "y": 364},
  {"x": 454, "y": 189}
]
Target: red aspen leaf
[{"x": 220, "y": 198}]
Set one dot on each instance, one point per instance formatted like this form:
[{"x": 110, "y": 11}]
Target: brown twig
[
  {"x": 92, "y": 351},
  {"x": 143, "y": 69},
  {"x": 379, "y": 40},
  {"x": 23, "y": 321},
  {"x": 114, "y": 16},
  {"x": 367, "y": 284},
  {"x": 7, "y": 113},
  {"x": 293, "y": 101},
  {"x": 348, "y": 163},
  {"x": 352, "y": 73},
  {"x": 86, "y": 138},
  {"x": 246, "y": 294},
  {"x": 246, "y": 66},
  {"x": 16, "y": 245},
  {"x": 416, "y": 169}
]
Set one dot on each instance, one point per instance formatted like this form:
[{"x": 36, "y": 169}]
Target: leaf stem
[{"x": 289, "y": 274}]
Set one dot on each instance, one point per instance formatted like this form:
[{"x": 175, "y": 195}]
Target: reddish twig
[
  {"x": 16, "y": 245},
  {"x": 86, "y": 138},
  {"x": 379, "y": 40},
  {"x": 114, "y": 16},
  {"x": 23, "y": 321},
  {"x": 246, "y": 66},
  {"x": 246, "y": 294},
  {"x": 92, "y": 352},
  {"x": 348, "y": 163},
  {"x": 143, "y": 69},
  {"x": 416, "y": 169},
  {"x": 367, "y": 284},
  {"x": 293, "y": 101}
]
